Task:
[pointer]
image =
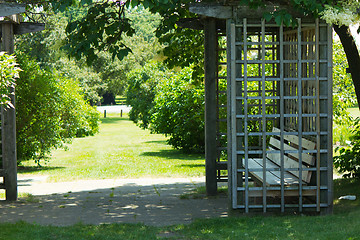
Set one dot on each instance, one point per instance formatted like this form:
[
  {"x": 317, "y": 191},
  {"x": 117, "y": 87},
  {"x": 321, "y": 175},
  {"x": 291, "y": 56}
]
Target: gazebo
[{"x": 268, "y": 94}]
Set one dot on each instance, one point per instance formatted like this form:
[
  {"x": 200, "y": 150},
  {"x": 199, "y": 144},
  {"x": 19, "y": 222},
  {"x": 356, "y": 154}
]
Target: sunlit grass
[{"x": 120, "y": 150}]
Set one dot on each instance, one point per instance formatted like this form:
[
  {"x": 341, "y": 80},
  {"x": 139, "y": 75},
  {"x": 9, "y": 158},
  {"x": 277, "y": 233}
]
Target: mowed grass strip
[{"x": 120, "y": 150}]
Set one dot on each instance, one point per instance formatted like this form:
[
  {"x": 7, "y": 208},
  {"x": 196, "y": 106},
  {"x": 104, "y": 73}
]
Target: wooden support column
[
  {"x": 210, "y": 105},
  {"x": 8, "y": 121}
]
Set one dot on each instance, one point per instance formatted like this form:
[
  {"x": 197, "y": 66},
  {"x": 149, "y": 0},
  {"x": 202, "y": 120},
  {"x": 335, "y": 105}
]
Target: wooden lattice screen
[{"x": 279, "y": 116}]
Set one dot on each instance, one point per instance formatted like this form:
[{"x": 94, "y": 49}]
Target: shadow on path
[{"x": 152, "y": 204}]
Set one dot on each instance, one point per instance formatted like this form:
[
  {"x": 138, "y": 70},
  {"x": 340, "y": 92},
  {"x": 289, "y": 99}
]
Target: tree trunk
[{"x": 352, "y": 55}]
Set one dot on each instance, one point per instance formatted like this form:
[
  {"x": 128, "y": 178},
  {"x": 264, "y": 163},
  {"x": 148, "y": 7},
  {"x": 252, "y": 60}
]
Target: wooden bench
[{"x": 291, "y": 161}]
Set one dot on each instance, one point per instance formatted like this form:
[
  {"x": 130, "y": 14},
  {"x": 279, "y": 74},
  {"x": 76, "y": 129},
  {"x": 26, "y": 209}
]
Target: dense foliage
[
  {"x": 50, "y": 111},
  {"x": 168, "y": 102},
  {"x": 9, "y": 71},
  {"x": 179, "y": 112},
  {"x": 142, "y": 88}
]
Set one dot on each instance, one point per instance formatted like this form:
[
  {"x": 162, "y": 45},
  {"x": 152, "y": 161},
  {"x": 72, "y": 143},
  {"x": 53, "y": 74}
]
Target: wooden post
[
  {"x": 8, "y": 121},
  {"x": 121, "y": 112},
  {"x": 210, "y": 105},
  {"x": 104, "y": 113}
]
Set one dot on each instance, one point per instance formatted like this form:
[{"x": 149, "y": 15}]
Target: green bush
[
  {"x": 179, "y": 112},
  {"x": 141, "y": 92},
  {"x": 50, "y": 111},
  {"x": 348, "y": 161}
]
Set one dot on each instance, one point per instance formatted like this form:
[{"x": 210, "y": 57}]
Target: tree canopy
[{"x": 105, "y": 25}]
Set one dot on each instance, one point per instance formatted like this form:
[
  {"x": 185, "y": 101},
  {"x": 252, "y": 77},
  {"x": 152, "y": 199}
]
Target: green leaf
[
  {"x": 268, "y": 16},
  {"x": 278, "y": 19}
]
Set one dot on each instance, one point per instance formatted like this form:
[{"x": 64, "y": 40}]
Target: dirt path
[{"x": 150, "y": 201}]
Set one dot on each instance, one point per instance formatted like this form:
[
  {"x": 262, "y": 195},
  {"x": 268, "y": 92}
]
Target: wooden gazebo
[{"x": 274, "y": 117}]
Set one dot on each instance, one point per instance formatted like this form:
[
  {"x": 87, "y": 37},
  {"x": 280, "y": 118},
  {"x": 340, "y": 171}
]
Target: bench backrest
[{"x": 291, "y": 160}]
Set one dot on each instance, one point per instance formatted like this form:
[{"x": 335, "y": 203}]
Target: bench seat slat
[
  {"x": 290, "y": 163},
  {"x": 307, "y": 144},
  {"x": 305, "y": 157},
  {"x": 272, "y": 177}
]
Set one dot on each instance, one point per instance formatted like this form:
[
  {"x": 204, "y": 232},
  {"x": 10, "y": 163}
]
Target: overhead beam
[
  {"x": 28, "y": 27},
  {"x": 212, "y": 10},
  {"x": 7, "y": 9},
  {"x": 234, "y": 9}
]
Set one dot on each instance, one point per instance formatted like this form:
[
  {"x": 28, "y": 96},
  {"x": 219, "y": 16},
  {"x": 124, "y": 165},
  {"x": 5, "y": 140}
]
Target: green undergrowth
[{"x": 120, "y": 150}]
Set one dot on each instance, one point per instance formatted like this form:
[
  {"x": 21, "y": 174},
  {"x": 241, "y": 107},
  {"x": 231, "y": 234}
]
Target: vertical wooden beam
[
  {"x": 210, "y": 105},
  {"x": 8, "y": 121}
]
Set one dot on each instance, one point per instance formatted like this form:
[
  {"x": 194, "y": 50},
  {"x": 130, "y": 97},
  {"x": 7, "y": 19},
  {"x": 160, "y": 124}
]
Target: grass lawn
[{"x": 120, "y": 150}]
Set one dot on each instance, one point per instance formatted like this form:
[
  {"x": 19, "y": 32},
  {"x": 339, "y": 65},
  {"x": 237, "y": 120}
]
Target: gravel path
[{"x": 150, "y": 201}]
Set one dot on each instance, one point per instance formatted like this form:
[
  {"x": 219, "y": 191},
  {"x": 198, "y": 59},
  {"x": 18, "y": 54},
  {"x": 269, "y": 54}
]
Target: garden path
[{"x": 152, "y": 201}]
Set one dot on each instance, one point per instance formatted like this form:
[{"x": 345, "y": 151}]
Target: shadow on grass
[
  {"x": 174, "y": 154},
  {"x": 162, "y": 142},
  {"x": 32, "y": 169},
  {"x": 112, "y": 120},
  {"x": 343, "y": 187},
  {"x": 191, "y": 165}
]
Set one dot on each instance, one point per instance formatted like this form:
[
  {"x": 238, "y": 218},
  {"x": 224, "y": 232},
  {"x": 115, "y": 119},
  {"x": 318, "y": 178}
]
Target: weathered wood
[
  {"x": 290, "y": 163},
  {"x": 15, "y": 18},
  {"x": 212, "y": 10},
  {"x": 272, "y": 177},
  {"x": 2, "y": 172},
  {"x": 276, "y": 193},
  {"x": 305, "y": 157},
  {"x": 234, "y": 9},
  {"x": 210, "y": 105},
  {"x": 192, "y": 23},
  {"x": 8, "y": 121},
  {"x": 307, "y": 144},
  {"x": 28, "y": 27},
  {"x": 273, "y": 161},
  {"x": 7, "y": 9}
]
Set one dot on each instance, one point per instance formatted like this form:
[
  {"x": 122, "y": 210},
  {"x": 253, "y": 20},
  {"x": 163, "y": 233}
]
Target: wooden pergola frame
[
  {"x": 11, "y": 25},
  {"x": 215, "y": 18}
]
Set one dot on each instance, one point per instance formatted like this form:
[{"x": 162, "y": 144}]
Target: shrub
[
  {"x": 141, "y": 92},
  {"x": 348, "y": 161},
  {"x": 50, "y": 111},
  {"x": 179, "y": 112}
]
